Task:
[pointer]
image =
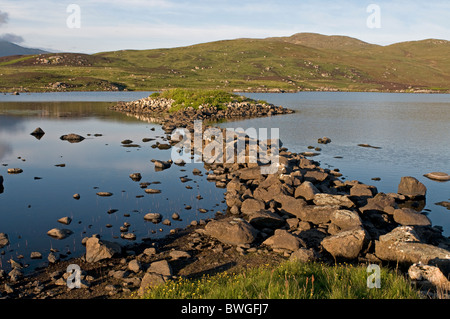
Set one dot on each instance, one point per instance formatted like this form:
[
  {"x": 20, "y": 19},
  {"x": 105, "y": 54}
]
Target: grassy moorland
[
  {"x": 300, "y": 62},
  {"x": 289, "y": 280}
]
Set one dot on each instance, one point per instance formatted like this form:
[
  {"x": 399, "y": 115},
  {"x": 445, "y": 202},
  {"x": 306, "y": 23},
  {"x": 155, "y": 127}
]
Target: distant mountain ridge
[{"x": 8, "y": 48}]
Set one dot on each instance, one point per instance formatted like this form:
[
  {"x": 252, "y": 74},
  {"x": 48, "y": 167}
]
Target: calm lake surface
[{"x": 412, "y": 131}]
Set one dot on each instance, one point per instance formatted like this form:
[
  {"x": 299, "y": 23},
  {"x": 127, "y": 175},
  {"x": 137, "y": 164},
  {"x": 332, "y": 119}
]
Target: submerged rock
[
  {"x": 59, "y": 233},
  {"x": 3, "y": 240},
  {"x": 15, "y": 170}
]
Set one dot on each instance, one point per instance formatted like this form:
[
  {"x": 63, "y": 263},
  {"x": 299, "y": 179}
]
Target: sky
[{"x": 108, "y": 25}]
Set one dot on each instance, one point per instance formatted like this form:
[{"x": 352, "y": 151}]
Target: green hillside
[{"x": 304, "y": 61}]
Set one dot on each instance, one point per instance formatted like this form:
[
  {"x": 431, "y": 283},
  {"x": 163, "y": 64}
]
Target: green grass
[
  {"x": 184, "y": 98},
  {"x": 289, "y": 280}
]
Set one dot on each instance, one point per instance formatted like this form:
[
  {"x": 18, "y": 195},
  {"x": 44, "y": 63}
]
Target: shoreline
[
  {"x": 301, "y": 214},
  {"x": 237, "y": 90}
]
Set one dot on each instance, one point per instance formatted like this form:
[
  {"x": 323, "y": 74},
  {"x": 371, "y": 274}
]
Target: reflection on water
[
  {"x": 54, "y": 170},
  {"x": 412, "y": 131}
]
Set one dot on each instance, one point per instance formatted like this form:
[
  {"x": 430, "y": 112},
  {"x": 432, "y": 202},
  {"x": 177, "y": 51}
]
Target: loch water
[{"x": 411, "y": 133}]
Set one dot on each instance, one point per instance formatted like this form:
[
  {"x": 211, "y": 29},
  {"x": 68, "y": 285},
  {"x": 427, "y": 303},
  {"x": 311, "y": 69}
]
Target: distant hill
[
  {"x": 320, "y": 41},
  {"x": 303, "y": 61},
  {"x": 8, "y": 48}
]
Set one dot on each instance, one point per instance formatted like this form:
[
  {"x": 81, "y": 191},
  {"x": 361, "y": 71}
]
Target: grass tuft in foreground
[
  {"x": 289, "y": 280},
  {"x": 194, "y": 98}
]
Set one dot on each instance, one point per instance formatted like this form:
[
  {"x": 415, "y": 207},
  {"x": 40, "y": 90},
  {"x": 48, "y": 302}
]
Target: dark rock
[
  {"x": 443, "y": 204},
  {"x": 411, "y": 187},
  {"x": 136, "y": 177},
  {"x": 161, "y": 164},
  {"x": 15, "y": 170},
  {"x": 324, "y": 140},
  {"x": 38, "y": 133},
  {"x": 72, "y": 138},
  {"x": 265, "y": 219},
  {"x": 59, "y": 233},
  {"x": 3, "y": 240}
]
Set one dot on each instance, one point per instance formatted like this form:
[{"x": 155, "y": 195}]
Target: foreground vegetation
[
  {"x": 299, "y": 62},
  {"x": 289, "y": 280}
]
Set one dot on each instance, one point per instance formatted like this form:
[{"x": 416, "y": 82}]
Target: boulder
[
  {"x": 149, "y": 281},
  {"x": 306, "y": 190},
  {"x": 346, "y": 244},
  {"x": 134, "y": 266},
  {"x": 381, "y": 202},
  {"x": 411, "y": 187},
  {"x": 97, "y": 249},
  {"x": 179, "y": 254},
  {"x": 345, "y": 219},
  {"x": 59, "y": 233},
  {"x": 265, "y": 219},
  {"x": 232, "y": 231},
  {"x": 290, "y": 205},
  {"x": 252, "y": 173},
  {"x": 3, "y": 240},
  {"x": 251, "y": 205},
  {"x": 363, "y": 190},
  {"x": 408, "y": 216},
  {"x": 161, "y": 267},
  {"x": 403, "y": 245},
  {"x": 282, "y": 239},
  {"x": 315, "y": 176},
  {"x": 303, "y": 255},
  {"x": 322, "y": 199},
  {"x": 427, "y": 276},
  {"x": 316, "y": 214}
]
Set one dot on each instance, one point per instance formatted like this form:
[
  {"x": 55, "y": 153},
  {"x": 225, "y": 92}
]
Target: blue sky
[{"x": 107, "y": 25}]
